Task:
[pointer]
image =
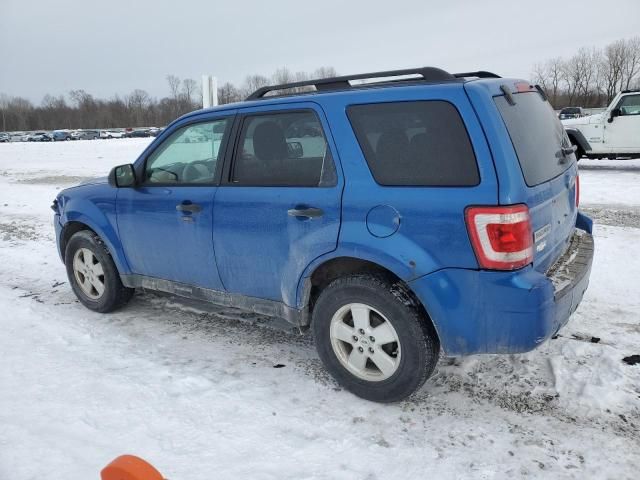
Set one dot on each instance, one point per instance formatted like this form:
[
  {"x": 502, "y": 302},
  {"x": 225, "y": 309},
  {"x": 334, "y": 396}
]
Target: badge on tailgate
[{"x": 539, "y": 235}]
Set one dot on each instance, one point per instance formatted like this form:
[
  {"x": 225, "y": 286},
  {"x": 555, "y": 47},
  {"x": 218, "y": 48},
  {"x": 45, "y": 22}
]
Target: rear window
[
  {"x": 421, "y": 143},
  {"x": 537, "y": 136}
]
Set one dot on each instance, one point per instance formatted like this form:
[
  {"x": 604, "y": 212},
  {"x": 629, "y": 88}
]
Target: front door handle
[
  {"x": 306, "y": 212},
  {"x": 188, "y": 207}
]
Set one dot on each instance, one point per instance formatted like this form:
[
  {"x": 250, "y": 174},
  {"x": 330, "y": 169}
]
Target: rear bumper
[{"x": 506, "y": 312}]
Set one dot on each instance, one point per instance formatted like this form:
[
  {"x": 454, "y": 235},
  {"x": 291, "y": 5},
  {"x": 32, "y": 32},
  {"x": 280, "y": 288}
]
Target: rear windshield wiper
[{"x": 566, "y": 151}]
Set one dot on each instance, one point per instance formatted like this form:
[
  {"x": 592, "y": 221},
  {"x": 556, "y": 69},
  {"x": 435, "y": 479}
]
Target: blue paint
[
  {"x": 244, "y": 242},
  {"x": 383, "y": 221}
]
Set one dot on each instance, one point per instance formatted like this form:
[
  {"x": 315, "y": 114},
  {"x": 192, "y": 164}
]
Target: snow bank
[{"x": 197, "y": 393}]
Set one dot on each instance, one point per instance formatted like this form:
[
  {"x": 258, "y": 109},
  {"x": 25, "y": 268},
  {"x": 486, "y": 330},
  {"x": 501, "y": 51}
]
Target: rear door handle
[
  {"x": 305, "y": 212},
  {"x": 188, "y": 207}
]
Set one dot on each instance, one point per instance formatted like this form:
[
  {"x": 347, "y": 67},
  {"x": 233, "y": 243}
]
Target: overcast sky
[{"x": 112, "y": 47}]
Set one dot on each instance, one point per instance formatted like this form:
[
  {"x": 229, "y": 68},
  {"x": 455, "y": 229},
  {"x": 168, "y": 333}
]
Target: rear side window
[
  {"x": 283, "y": 149},
  {"x": 422, "y": 143},
  {"x": 537, "y": 136}
]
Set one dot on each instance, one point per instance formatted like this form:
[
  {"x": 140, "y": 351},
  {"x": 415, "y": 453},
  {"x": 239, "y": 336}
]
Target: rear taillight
[
  {"x": 501, "y": 236},
  {"x": 577, "y": 191}
]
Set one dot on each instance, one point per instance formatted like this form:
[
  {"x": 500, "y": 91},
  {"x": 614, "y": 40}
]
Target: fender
[
  {"x": 101, "y": 219},
  {"x": 579, "y": 138},
  {"x": 397, "y": 254}
]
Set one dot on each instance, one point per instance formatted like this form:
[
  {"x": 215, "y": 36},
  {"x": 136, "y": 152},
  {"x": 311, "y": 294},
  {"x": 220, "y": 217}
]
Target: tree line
[
  {"x": 591, "y": 77},
  {"x": 80, "y": 109}
]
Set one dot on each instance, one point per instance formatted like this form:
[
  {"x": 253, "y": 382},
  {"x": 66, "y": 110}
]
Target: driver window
[
  {"x": 188, "y": 156},
  {"x": 629, "y": 105}
]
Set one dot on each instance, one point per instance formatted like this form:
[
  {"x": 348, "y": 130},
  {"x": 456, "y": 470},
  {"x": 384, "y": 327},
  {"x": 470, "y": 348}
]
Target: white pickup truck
[{"x": 610, "y": 134}]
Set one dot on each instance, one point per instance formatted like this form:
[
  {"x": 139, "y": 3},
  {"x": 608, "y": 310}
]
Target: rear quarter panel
[{"x": 431, "y": 232}]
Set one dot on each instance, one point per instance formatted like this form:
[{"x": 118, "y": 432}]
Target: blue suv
[{"x": 393, "y": 214}]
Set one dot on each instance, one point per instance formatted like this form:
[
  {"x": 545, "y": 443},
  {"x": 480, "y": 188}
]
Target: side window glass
[
  {"x": 630, "y": 105},
  {"x": 189, "y": 156},
  {"x": 283, "y": 149},
  {"x": 419, "y": 143}
]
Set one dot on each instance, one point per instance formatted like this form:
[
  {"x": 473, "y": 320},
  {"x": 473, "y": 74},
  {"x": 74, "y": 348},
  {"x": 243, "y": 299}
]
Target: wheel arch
[
  {"x": 324, "y": 272},
  {"x": 578, "y": 138},
  {"x": 76, "y": 222}
]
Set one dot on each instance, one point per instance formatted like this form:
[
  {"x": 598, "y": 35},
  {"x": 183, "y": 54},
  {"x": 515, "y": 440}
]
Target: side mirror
[
  {"x": 122, "y": 176},
  {"x": 295, "y": 150},
  {"x": 616, "y": 112}
]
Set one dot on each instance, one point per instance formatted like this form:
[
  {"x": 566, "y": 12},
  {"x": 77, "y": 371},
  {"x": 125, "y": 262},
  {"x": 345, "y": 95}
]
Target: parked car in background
[
  {"x": 155, "y": 131},
  {"x": 610, "y": 134},
  {"x": 39, "y": 137},
  {"x": 571, "y": 112},
  {"x": 139, "y": 132},
  {"x": 18, "y": 136},
  {"x": 88, "y": 134},
  {"x": 392, "y": 219},
  {"x": 112, "y": 134},
  {"x": 4, "y": 137},
  {"x": 60, "y": 135}
]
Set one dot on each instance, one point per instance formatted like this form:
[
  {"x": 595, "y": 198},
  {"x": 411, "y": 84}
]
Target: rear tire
[
  {"x": 348, "y": 316},
  {"x": 93, "y": 275}
]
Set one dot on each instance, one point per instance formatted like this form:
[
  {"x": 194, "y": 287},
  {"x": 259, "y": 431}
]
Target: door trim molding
[{"x": 271, "y": 308}]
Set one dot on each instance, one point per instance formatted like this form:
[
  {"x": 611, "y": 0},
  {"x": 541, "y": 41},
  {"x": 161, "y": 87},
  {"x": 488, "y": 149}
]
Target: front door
[
  {"x": 622, "y": 135},
  {"x": 278, "y": 205},
  {"x": 166, "y": 222}
]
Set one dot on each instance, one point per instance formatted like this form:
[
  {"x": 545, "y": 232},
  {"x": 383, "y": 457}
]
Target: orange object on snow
[{"x": 130, "y": 467}]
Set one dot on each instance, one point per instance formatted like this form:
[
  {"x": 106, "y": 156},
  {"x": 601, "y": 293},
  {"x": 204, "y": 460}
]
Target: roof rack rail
[
  {"x": 428, "y": 74},
  {"x": 479, "y": 74},
  {"x": 632, "y": 90}
]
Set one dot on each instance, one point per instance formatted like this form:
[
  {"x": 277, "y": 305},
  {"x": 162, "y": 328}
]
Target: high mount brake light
[
  {"x": 501, "y": 236},
  {"x": 522, "y": 87}
]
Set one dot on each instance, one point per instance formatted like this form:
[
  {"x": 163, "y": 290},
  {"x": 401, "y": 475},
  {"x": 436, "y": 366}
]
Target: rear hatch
[{"x": 549, "y": 170}]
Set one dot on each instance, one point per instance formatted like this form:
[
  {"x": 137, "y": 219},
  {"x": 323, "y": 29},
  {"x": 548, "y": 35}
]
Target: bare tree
[
  {"x": 571, "y": 76},
  {"x": 189, "y": 90},
  {"x": 631, "y": 62},
  {"x": 4, "y": 105},
  {"x": 253, "y": 83},
  {"x": 228, "y": 93},
  {"x": 612, "y": 67},
  {"x": 324, "y": 72},
  {"x": 136, "y": 109},
  {"x": 283, "y": 75},
  {"x": 174, "y": 92},
  {"x": 138, "y": 102},
  {"x": 174, "y": 86}
]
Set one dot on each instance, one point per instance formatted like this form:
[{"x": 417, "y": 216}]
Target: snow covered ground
[{"x": 197, "y": 393}]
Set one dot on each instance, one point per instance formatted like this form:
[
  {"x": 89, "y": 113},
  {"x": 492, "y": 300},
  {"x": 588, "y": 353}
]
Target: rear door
[
  {"x": 278, "y": 206},
  {"x": 548, "y": 168}
]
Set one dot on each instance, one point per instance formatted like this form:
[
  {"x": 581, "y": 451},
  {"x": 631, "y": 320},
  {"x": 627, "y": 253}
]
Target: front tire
[
  {"x": 93, "y": 275},
  {"x": 373, "y": 338}
]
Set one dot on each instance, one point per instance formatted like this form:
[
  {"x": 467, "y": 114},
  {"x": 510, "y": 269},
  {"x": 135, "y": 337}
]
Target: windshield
[{"x": 537, "y": 135}]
